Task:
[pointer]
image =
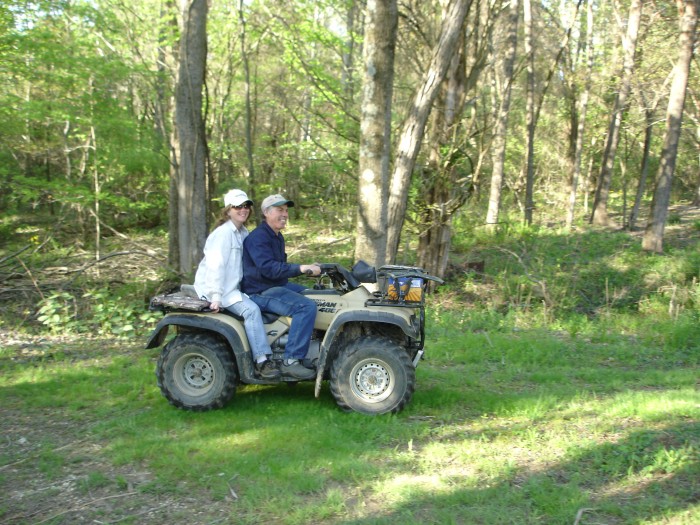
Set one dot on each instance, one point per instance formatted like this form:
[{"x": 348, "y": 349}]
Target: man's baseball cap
[
  {"x": 275, "y": 200},
  {"x": 236, "y": 198}
]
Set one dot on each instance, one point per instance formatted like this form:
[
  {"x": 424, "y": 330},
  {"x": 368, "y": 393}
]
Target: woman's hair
[{"x": 223, "y": 217}]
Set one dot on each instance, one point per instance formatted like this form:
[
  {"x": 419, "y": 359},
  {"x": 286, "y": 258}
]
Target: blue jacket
[{"x": 265, "y": 261}]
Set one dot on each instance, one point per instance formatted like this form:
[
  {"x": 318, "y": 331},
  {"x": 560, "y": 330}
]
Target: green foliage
[
  {"x": 58, "y": 312},
  {"x": 99, "y": 312},
  {"x": 560, "y": 274}
]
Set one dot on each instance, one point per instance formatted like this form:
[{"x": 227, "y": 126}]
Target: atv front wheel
[
  {"x": 373, "y": 375},
  {"x": 197, "y": 372}
]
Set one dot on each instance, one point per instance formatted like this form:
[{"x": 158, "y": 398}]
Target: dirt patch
[{"x": 53, "y": 470}]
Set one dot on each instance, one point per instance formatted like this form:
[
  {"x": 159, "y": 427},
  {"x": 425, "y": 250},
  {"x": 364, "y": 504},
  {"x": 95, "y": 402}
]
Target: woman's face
[{"x": 239, "y": 214}]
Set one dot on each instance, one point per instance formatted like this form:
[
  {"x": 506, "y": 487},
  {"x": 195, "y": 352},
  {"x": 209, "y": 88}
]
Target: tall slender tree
[
  {"x": 192, "y": 175},
  {"x": 600, "y": 205},
  {"x": 530, "y": 104},
  {"x": 581, "y": 110},
  {"x": 413, "y": 128},
  {"x": 501, "y": 127},
  {"x": 654, "y": 233}
]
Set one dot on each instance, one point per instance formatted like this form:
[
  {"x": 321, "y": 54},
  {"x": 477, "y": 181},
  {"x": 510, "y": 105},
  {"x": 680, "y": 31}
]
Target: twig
[
  {"x": 130, "y": 516},
  {"x": 67, "y": 445},
  {"x": 116, "y": 254},
  {"x": 85, "y": 505},
  {"x": 542, "y": 283},
  {"x": 8, "y": 257},
  {"x": 579, "y": 514},
  {"x": 29, "y": 273}
]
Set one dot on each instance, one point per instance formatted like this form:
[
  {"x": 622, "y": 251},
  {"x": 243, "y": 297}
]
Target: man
[{"x": 266, "y": 274}]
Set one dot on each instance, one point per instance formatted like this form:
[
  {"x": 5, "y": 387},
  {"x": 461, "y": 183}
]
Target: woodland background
[{"x": 122, "y": 115}]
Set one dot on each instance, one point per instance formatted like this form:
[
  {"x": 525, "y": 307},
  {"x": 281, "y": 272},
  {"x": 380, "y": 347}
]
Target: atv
[{"x": 368, "y": 338}]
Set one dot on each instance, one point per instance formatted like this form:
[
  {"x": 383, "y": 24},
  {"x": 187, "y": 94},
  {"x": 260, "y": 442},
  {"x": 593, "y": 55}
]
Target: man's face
[{"x": 276, "y": 217}]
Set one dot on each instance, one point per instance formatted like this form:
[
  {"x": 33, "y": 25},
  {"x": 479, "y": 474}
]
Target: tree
[
  {"x": 375, "y": 138},
  {"x": 192, "y": 176},
  {"x": 654, "y": 233},
  {"x": 413, "y": 129},
  {"x": 499, "y": 134},
  {"x": 581, "y": 110},
  {"x": 600, "y": 204},
  {"x": 248, "y": 110},
  {"x": 530, "y": 95}
]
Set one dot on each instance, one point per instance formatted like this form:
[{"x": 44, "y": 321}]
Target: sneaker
[
  {"x": 297, "y": 370},
  {"x": 267, "y": 370},
  {"x": 309, "y": 363}
]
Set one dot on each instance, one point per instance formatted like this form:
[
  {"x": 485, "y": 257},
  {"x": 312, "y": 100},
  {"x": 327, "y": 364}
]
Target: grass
[{"x": 506, "y": 426}]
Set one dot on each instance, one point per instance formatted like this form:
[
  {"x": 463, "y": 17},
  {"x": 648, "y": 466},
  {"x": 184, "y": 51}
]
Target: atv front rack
[{"x": 402, "y": 286}]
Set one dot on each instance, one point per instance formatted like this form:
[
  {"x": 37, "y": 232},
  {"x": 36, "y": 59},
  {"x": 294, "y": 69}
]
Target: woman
[{"x": 219, "y": 276}]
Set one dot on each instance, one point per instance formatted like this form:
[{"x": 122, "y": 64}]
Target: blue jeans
[
  {"x": 253, "y": 324},
  {"x": 285, "y": 300}
]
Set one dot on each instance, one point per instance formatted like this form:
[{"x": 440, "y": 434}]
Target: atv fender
[
  {"x": 400, "y": 319},
  {"x": 225, "y": 325}
]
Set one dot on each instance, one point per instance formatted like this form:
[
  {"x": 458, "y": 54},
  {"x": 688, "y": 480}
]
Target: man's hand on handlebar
[{"x": 311, "y": 269}]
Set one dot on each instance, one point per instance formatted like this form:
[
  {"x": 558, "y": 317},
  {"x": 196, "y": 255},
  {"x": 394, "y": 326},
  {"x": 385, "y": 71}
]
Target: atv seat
[{"x": 189, "y": 291}]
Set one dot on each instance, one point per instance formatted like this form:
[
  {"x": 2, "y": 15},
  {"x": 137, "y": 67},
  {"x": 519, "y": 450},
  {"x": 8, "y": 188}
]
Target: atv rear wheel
[
  {"x": 197, "y": 372},
  {"x": 373, "y": 375}
]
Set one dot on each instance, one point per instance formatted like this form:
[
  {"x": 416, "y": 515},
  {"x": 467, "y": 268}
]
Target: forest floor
[
  {"x": 54, "y": 470},
  {"x": 59, "y": 471}
]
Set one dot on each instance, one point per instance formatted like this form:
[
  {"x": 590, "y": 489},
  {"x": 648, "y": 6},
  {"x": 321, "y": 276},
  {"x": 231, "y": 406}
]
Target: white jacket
[{"x": 219, "y": 274}]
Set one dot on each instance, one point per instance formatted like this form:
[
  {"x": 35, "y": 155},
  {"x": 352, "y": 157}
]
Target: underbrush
[{"x": 575, "y": 282}]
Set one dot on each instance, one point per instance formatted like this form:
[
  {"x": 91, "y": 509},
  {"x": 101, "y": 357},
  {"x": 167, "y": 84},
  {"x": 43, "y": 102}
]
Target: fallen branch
[
  {"x": 33, "y": 456},
  {"x": 117, "y": 254},
  {"x": 8, "y": 257},
  {"x": 89, "y": 503},
  {"x": 119, "y": 234},
  {"x": 579, "y": 514},
  {"x": 29, "y": 273},
  {"x": 131, "y": 516}
]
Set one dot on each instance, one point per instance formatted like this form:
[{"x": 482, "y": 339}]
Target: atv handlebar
[{"x": 348, "y": 280}]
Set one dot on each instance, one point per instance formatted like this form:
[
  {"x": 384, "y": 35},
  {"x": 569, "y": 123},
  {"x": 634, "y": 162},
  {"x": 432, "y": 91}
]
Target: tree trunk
[
  {"x": 530, "y": 104},
  {"x": 654, "y": 233},
  {"x": 413, "y": 129},
  {"x": 375, "y": 137},
  {"x": 248, "y": 112},
  {"x": 582, "y": 110},
  {"x": 442, "y": 192},
  {"x": 501, "y": 126},
  {"x": 600, "y": 204},
  {"x": 644, "y": 171},
  {"x": 192, "y": 177},
  {"x": 164, "y": 118},
  {"x": 347, "y": 76}
]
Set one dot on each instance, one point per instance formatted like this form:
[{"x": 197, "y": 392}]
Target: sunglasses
[{"x": 246, "y": 206}]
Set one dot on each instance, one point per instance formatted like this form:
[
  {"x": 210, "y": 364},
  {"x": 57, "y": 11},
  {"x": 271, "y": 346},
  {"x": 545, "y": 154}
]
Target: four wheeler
[{"x": 368, "y": 338}]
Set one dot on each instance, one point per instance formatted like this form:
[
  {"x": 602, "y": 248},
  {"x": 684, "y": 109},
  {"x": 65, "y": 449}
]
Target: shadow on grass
[
  {"x": 280, "y": 440},
  {"x": 592, "y": 482}
]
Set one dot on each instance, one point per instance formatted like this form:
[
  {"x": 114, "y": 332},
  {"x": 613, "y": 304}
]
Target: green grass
[{"x": 506, "y": 426}]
